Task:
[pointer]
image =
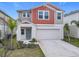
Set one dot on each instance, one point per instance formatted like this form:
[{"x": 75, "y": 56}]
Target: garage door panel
[{"x": 48, "y": 34}]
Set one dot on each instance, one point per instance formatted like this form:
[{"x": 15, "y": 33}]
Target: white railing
[{"x": 24, "y": 19}]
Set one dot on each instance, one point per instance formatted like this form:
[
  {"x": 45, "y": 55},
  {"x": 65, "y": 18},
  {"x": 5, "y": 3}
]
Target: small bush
[
  {"x": 31, "y": 45},
  {"x": 33, "y": 40},
  {"x": 5, "y": 42},
  {"x": 20, "y": 44}
]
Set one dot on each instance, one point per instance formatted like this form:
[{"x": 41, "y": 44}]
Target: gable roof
[
  {"x": 72, "y": 12},
  {"x": 54, "y": 6},
  {"x": 47, "y": 5}
]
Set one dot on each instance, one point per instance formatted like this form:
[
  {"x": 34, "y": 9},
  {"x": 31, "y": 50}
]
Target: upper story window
[
  {"x": 40, "y": 15},
  {"x": 26, "y": 15},
  {"x": 59, "y": 15},
  {"x": 44, "y": 15}
]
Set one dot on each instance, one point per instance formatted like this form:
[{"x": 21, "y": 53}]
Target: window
[
  {"x": 40, "y": 15},
  {"x": 46, "y": 15},
  {"x": 22, "y": 31},
  {"x": 43, "y": 15},
  {"x": 59, "y": 15},
  {"x": 26, "y": 15}
]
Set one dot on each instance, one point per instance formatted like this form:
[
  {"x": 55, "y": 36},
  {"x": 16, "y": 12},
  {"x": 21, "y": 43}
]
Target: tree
[
  {"x": 76, "y": 23},
  {"x": 11, "y": 25},
  {"x": 67, "y": 31}
]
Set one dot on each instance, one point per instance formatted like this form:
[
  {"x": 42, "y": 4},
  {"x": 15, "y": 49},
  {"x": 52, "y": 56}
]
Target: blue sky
[{"x": 11, "y": 7}]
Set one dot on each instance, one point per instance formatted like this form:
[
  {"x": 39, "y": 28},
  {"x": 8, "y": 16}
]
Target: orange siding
[{"x": 35, "y": 16}]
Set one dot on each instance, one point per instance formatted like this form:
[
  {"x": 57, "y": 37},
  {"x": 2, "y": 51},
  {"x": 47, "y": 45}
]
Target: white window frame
[
  {"x": 25, "y": 15},
  {"x": 57, "y": 15},
  {"x": 43, "y": 14}
]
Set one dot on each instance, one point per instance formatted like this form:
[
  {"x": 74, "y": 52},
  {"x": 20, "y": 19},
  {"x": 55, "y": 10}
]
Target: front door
[{"x": 28, "y": 33}]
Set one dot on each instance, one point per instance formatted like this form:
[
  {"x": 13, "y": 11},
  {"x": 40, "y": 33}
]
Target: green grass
[
  {"x": 73, "y": 41},
  {"x": 23, "y": 52},
  {"x": 2, "y": 51},
  {"x": 26, "y": 52}
]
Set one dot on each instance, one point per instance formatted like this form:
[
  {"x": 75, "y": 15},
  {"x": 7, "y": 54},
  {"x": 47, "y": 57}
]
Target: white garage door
[{"x": 48, "y": 33}]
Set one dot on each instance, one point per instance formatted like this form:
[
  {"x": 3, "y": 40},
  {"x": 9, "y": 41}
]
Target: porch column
[
  {"x": 33, "y": 32},
  {"x": 18, "y": 33}
]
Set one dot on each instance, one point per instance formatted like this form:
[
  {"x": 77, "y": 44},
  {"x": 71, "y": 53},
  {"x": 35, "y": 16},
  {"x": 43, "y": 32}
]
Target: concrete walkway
[{"x": 58, "y": 48}]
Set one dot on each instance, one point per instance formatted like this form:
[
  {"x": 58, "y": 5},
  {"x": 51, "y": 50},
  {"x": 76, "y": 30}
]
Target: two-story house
[{"x": 42, "y": 22}]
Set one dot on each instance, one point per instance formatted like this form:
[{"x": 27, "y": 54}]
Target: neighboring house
[
  {"x": 3, "y": 24},
  {"x": 42, "y": 22},
  {"x": 73, "y": 15}
]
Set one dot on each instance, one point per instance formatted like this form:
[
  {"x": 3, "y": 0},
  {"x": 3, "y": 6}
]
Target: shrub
[
  {"x": 33, "y": 40},
  {"x": 25, "y": 45},
  {"x": 5, "y": 42},
  {"x": 32, "y": 43},
  {"x": 20, "y": 44}
]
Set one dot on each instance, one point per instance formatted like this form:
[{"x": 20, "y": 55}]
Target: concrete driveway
[{"x": 58, "y": 48}]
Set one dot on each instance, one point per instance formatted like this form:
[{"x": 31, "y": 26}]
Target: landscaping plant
[
  {"x": 67, "y": 31},
  {"x": 32, "y": 43},
  {"x": 11, "y": 25}
]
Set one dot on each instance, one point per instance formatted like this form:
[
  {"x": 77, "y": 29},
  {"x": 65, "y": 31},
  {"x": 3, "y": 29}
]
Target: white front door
[{"x": 28, "y": 33}]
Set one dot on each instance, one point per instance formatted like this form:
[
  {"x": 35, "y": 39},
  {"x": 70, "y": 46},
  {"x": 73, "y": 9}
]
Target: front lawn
[
  {"x": 2, "y": 51},
  {"x": 26, "y": 52},
  {"x": 73, "y": 41},
  {"x": 19, "y": 49}
]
